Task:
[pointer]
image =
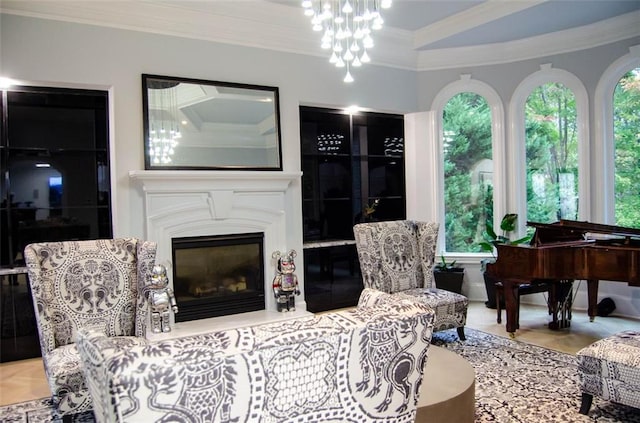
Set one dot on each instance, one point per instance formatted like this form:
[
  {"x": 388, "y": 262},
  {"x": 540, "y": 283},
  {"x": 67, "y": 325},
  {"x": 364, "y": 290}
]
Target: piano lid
[{"x": 573, "y": 230}]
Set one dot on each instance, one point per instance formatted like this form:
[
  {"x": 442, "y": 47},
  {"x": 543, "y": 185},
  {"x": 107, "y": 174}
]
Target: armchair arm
[{"x": 98, "y": 352}]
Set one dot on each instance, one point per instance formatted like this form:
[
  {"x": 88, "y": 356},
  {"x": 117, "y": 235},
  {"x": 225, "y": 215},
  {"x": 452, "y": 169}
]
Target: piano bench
[
  {"x": 610, "y": 369},
  {"x": 525, "y": 288}
]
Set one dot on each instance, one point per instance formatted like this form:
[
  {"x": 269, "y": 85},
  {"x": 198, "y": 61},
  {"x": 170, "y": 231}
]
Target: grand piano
[{"x": 565, "y": 251}]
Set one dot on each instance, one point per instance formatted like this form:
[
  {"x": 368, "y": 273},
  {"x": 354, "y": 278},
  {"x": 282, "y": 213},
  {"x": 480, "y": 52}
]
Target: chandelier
[
  {"x": 164, "y": 126},
  {"x": 346, "y": 27}
]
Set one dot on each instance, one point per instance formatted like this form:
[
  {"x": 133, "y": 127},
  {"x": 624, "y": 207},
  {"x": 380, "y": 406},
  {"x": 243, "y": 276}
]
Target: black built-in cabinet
[
  {"x": 55, "y": 186},
  {"x": 348, "y": 162}
]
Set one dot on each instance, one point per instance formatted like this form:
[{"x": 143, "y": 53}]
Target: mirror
[{"x": 196, "y": 124}]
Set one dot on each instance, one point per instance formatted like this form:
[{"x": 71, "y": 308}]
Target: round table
[{"x": 447, "y": 393}]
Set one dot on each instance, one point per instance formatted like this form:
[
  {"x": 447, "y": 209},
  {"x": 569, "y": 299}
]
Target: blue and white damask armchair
[
  {"x": 96, "y": 284},
  {"x": 397, "y": 257}
]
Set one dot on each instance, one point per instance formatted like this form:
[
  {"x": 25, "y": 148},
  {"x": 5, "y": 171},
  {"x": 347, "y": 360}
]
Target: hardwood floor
[{"x": 24, "y": 380}]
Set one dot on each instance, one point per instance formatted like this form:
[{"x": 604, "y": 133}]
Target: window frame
[
  {"x": 498, "y": 151},
  {"x": 604, "y": 142},
  {"x": 516, "y": 168}
]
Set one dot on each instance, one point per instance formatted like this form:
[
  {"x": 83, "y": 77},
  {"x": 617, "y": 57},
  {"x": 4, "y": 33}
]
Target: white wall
[{"x": 58, "y": 53}]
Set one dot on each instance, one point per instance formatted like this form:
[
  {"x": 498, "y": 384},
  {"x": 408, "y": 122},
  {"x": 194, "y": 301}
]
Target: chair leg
[
  {"x": 587, "y": 399},
  {"x": 460, "y": 330}
]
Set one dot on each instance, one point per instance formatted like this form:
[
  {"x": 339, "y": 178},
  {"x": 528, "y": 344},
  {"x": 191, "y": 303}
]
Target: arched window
[
  {"x": 549, "y": 148},
  {"x": 551, "y": 154},
  {"x": 468, "y": 170},
  {"x": 626, "y": 132},
  {"x": 605, "y": 141},
  {"x": 471, "y": 149}
]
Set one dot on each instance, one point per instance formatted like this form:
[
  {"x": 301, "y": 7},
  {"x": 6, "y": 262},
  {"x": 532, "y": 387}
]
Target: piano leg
[
  {"x": 511, "y": 305},
  {"x": 592, "y": 291}
]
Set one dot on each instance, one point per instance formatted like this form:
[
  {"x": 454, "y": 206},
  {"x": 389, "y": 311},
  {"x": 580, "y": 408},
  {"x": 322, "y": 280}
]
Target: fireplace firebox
[{"x": 218, "y": 275}]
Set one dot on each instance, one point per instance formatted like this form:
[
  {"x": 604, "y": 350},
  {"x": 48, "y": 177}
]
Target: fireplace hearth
[{"x": 218, "y": 275}]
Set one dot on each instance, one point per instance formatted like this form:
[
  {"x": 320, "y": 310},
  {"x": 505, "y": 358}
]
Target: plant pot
[{"x": 451, "y": 279}]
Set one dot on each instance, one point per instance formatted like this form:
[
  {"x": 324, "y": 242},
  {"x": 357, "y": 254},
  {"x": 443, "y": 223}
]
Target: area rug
[
  {"x": 515, "y": 383},
  {"x": 519, "y": 382}
]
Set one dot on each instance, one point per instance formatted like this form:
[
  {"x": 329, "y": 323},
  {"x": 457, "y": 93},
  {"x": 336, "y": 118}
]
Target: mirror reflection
[{"x": 195, "y": 124}]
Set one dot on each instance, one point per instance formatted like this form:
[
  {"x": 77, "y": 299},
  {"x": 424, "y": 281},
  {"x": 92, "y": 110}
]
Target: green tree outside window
[
  {"x": 626, "y": 124},
  {"x": 468, "y": 170},
  {"x": 551, "y": 154}
]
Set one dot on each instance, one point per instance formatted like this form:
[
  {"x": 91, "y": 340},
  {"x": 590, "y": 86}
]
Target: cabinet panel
[
  {"x": 49, "y": 121},
  {"x": 332, "y": 277},
  {"x": 386, "y": 177}
]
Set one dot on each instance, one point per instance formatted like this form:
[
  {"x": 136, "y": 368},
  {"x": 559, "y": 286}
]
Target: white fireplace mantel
[
  {"x": 158, "y": 181},
  {"x": 186, "y": 203}
]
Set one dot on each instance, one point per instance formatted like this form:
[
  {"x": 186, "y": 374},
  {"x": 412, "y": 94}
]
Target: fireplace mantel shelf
[{"x": 199, "y": 180}]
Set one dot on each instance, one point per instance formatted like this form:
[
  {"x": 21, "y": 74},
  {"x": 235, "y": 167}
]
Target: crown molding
[{"x": 283, "y": 28}]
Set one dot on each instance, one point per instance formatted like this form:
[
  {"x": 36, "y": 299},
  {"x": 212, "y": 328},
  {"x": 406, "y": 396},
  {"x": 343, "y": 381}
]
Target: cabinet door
[
  {"x": 331, "y": 277},
  {"x": 55, "y": 185},
  {"x": 379, "y": 141},
  {"x": 327, "y": 175}
]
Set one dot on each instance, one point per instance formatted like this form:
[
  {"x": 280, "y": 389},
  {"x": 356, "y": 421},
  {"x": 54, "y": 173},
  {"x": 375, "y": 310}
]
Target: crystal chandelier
[
  {"x": 346, "y": 26},
  {"x": 164, "y": 126}
]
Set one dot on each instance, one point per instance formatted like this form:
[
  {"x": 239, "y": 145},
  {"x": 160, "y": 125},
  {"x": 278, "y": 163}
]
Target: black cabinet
[
  {"x": 55, "y": 186},
  {"x": 349, "y": 162},
  {"x": 332, "y": 276}
]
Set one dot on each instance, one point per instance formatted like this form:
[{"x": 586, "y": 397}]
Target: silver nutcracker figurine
[
  {"x": 161, "y": 300},
  {"x": 285, "y": 283}
]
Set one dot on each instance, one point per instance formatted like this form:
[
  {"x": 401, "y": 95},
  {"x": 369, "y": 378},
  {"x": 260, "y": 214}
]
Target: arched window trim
[
  {"x": 604, "y": 146},
  {"x": 517, "y": 200},
  {"x": 467, "y": 84}
]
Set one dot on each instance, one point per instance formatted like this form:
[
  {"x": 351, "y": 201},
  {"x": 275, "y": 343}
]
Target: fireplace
[
  {"x": 218, "y": 275},
  {"x": 202, "y": 204}
]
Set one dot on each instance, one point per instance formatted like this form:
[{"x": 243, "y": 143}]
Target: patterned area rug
[
  {"x": 518, "y": 382},
  {"x": 515, "y": 382}
]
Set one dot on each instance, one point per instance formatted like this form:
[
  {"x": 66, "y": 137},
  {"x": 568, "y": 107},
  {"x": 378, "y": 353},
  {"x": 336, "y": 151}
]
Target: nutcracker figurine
[
  {"x": 161, "y": 300},
  {"x": 285, "y": 284}
]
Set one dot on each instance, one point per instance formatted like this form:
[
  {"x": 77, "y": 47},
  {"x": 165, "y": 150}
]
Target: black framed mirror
[{"x": 199, "y": 124}]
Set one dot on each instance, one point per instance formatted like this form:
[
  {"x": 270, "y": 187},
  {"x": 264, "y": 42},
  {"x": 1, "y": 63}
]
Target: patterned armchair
[
  {"x": 398, "y": 257},
  {"x": 359, "y": 365},
  {"x": 86, "y": 284}
]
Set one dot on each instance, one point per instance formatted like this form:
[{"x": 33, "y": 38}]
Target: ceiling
[
  {"x": 417, "y": 34},
  {"x": 460, "y": 23}
]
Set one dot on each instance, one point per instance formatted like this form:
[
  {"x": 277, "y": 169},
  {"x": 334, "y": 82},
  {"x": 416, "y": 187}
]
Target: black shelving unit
[
  {"x": 348, "y": 162},
  {"x": 55, "y": 186}
]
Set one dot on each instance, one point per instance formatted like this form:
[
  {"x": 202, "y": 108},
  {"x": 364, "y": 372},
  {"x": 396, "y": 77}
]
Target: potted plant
[
  {"x": 448, "y": 276},
  {"x": 491, "y": 239}
]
